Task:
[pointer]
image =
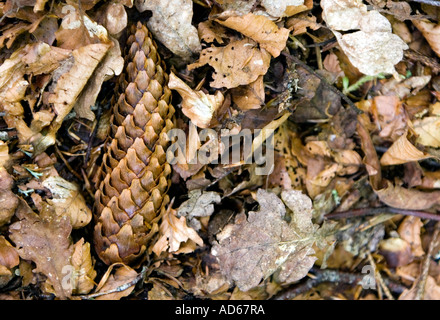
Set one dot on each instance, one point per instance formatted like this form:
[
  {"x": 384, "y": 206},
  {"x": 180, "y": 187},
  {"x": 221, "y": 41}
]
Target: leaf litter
[{"x": 350, "y": 89}]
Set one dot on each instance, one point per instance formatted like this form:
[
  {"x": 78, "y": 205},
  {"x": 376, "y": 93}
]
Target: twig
[
  {"x": 324, "y": 82},
  {"x": 333, "y": 276},
  {"x": 426, "y": 263},
  {"x": 379, "y": 278},
  {"x": 374, "y": 211},
  {"x": 122, "y": 287}
]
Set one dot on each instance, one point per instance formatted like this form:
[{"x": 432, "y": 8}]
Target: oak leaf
[
  {"x": 44, "y": 239},
  {"x": 238, "y": 63},
  {"x": 262, "y": 244}
]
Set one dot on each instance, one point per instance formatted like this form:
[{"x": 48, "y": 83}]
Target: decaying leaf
[
  {"x": 431, "y": 32},
  {"x": 45, "y": 239},
  {"x": 171, "y": 25},
  {"x": 374, "y": 49},
  {"x": 409, "y": 230},
  {"x": 250, "y": 96},
  {"x": 199, "y": 204},
  {"x": 173, "y": 233},
  {"x": 262, "y": 244},
  {"x": 259, "y": 28},
  {"x": 196, "y": 105},
  {"x": 68, "y": 201},
  {"x": 238, "y": 63}
]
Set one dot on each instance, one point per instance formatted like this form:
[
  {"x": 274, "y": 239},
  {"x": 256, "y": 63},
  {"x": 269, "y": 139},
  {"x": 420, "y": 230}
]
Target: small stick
[
  {"x": 373, "y": 211},
  {"x": 333, "y": 276}
]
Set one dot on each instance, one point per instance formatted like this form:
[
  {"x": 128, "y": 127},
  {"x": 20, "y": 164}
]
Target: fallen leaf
[
  {"x": 300, "y": 23},
  {"x": 238, "y": 63},
  {"x": 374, "y": 49},
  {"x": 123, "y": 276},
  {"x": 196, "y": 105},
  {"x": 8, "y": 254},
  {"x": 44, "y": 239},
  {"x": 68, "y": 201},
  {"x": 8, "y": 200},
  {"x": 428, "y": 130},
  {"x": 173, "y": 232},
  {"x": 83, "y": 273},
  {"x": 410, "y": 199},
  {"x": 278, "y": 8},
  {"x": 402, "y": 151},
  {"x": 260, "y": 29},
  {"x": 209, "y": 31},
  {"x": 432, "y": 290},
  {"x": 396, "y": 251},
  {"x": 390, "y": 116},
  {"x": 431, "y": 32},
  {"x": 171, "y": 25},
  {"x": 199, "y": 204},
  {"x": 111, "y": 65},
  {"x": 250, "y": 96},
  {"x": 262, "y": 244},
  {"x": 409, "y": 230}
]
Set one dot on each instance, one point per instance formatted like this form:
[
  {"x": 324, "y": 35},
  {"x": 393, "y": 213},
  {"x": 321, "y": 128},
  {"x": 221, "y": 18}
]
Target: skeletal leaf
[
  {"x": 252, "y": 249},
  {"x": 171, "y": 25}
]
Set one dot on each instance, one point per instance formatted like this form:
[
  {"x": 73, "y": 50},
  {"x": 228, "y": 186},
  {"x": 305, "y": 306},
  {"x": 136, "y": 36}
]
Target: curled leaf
[
  {"x": 196, "y": 105},
  {"x": 402, "y": 151}
]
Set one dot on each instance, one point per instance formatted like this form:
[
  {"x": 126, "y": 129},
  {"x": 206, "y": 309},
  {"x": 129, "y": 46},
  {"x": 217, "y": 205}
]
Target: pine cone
[{"x": 134, "y": 173}]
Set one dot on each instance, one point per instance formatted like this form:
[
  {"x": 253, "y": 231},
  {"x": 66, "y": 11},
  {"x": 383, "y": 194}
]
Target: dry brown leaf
[
  {"x": 83, "y": 272},
  {"x": 197, "y": 105},
  {"x": 390, "y": 116},
  {"x": 260, "y": 29},
  {"x": 396, "y": 251},
  {"x": 111, "y": 65},
  {"x": 238, "y": 63},
  {"x": 171, "y": 25},
  {"x": 428, "y": 130},
  {"x": 68, "y": 201},
  {"x": 431, "y": 32},
  {"x": 8, "y": 199},
  {"x": 282, "y": 8},
  {"x": 253, "y": 249},
  {"x": 173, "y": 233},
  {"x": 251, "y": 96},
  {"x": 402, "y": 151},
  {"x": 432, "y": 291},
  {"x": 45, "y": 239},
  {"x": 210, "y": 31},
  {"x": 123, "y": 276},
  {"x": 300, "y": 23},
  {"x": 4, "y": 154},
  {"x": 374, "y": 49},
  {"x": 409, "y": 230},
  {"x": 115, "y": 18},
  {"x": 8, "y": 254},
  {"x": 410, "y": 199}
]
